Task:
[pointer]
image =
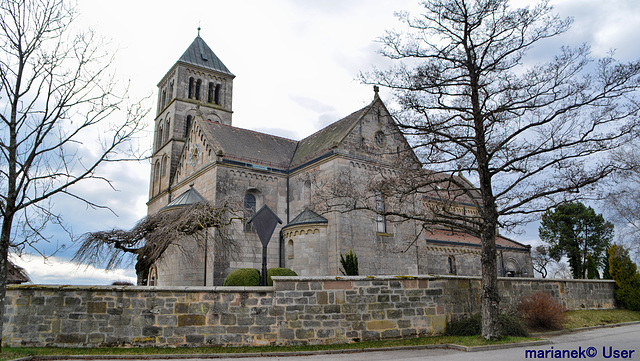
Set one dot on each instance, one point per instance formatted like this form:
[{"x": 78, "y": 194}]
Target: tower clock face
[{"x": 194, "y": 155}]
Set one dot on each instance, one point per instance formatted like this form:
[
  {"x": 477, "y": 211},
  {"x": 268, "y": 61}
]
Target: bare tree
[
  {"x": 527, "y": 136},
  {"x": 541, "y": 260},
  {"x": 56, "y": 127},
  {"x": 151, "y": 237},
  {"x": 623, "y": 199}
]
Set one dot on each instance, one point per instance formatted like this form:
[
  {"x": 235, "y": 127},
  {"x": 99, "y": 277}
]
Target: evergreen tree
[
  {"x": 349, "y": 263},
  {"x": 627, "y": 278},
  {"x": 592, "y": 269},
  {"x": 576, "y": 231}
]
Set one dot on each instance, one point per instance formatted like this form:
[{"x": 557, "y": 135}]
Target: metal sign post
[{"x": 265, "y": 222}]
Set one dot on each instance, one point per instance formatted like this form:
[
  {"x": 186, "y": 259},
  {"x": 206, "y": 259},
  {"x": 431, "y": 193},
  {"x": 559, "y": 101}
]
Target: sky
[{"x": 296, "y": 65}]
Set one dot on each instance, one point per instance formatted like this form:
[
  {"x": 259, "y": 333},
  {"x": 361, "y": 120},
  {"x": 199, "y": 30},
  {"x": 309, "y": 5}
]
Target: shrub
[
  {"x": 277, "y": 271},
  {"x": 121, "y": 283},
  {"x": 243, "y": 277},
  {"x": 625, "y": 273},
  {"x": 541, "y": 312},
  {"x": 511, "y": 325},
  {"x": 466, "y": 326},
  {"x": 472, "y": 326},
  {"x": 349, "y": 263},
  {"x": 592, "y": 269}
]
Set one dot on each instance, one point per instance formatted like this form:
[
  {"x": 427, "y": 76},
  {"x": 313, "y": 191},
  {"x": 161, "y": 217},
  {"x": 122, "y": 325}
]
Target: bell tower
[{"x": 198, "y": 86}]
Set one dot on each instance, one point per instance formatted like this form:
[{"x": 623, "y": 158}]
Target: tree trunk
[
  {"x": 490, "y": 294},
  {"x": 142, "y": 270},
  {"x": 5, "y": 238}
]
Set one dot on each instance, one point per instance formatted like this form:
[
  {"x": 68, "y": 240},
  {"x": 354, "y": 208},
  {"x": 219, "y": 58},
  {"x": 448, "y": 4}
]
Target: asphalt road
[{"x": 616, "y": 343}]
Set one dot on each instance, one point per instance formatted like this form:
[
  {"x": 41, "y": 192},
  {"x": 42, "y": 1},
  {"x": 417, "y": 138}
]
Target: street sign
[{"x": 264, "y": 222}]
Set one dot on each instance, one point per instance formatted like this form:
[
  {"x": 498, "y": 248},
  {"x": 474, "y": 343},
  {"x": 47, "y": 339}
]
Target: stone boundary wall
[{"x": 297, "y": 310}]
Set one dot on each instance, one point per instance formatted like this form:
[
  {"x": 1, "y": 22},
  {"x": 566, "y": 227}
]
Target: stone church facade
[{"x": 199, "y": 155}]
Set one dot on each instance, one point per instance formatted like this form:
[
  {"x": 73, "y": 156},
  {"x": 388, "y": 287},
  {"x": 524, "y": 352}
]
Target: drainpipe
[
  {"x": 502, "y": 273},
  {"x": 281, "y": 238}
]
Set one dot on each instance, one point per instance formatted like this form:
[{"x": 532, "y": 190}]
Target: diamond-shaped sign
[{"x": 265, "y": 222}]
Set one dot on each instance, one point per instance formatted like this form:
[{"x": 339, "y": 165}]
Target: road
[{"x": 605, "y": 342}]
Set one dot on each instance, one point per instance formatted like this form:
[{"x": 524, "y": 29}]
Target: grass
[
  {"x": 577, "y": 319},
  {"x": 10, "y": 353},
  {"x": 588, "y": 318}
]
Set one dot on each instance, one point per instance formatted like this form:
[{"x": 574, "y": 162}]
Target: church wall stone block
[{"x": 296, "y": 310}]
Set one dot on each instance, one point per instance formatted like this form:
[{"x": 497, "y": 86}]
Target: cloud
[
  {"x": 55, "y": 270},
  {"x": 312, "y": 104},
  {"x": 295, "y": 64}
]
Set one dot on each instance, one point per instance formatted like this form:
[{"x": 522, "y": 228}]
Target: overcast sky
[{"x": 296, "y": 64}]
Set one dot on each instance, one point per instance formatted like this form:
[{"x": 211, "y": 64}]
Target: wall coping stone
[
  {"x": 226, "y": 289},
  {"x": 425, "y": 277}
]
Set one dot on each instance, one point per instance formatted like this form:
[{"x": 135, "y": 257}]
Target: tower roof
[{"x": 200, "y": 54}]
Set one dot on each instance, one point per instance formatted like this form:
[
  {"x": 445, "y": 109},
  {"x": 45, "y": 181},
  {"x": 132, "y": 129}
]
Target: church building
[{"x": 198, "y": 155}]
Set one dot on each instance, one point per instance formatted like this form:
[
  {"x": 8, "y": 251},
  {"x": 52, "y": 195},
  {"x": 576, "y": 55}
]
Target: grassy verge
[
  {"x": 577, "y": 319},
  {"x": 588, "y": 318},
  {"x": 9, "y": 353}
]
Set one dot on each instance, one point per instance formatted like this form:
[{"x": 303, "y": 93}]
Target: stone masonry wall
[{"x": 296, "y": 310}]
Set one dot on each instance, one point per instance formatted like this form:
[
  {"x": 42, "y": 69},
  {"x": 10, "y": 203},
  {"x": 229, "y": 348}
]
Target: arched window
[
  {"x": 249, "y": 211},
  {"x": 171, "y": 90},
  {"x": 198, "y": 86},
  {"x": 159, "y": 139},
  {"x": 381, "y": 219},
  {"x": 153, "y": 180},
  {"x": 167, "y": 126},
  {"x": 164, "y": 98},
  {"x": 187, "y": 125},
  {"x": 191, "y": 87},
  {"x": 164, "y": 166},
  {"x": 210, "y": 93},
  {"x": 152, "y": 279},
  {"x": 451, "y": 265},
  {"x": 290, "y": 254},
  {"x": 156, "y": 177},
  {"x": 216, "y": 96}
]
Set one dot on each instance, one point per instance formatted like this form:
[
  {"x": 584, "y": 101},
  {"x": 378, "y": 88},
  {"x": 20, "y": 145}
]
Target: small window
[
  {"x": 451, "y": 265},
  {"x": 198, "y": 85},
  {"x": 159, "y": 139},
  {"x": 191, "y": 87},
  {"x": 164, "y": 166},
  {"x": 156, "y": 177},
  {"x": 290, "y": 254},
  {"x": 153, "y": 276},
  {"x": 379, "y": 138},
  {"x": 210, "y": 93},
  {"x": 167, "y": 126},
  {"x": 249, "y": 211},
  {"x": 216, "y": 96},
  {"x": 381, "y": 219},
  {"x": 187, "y": 126}
]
